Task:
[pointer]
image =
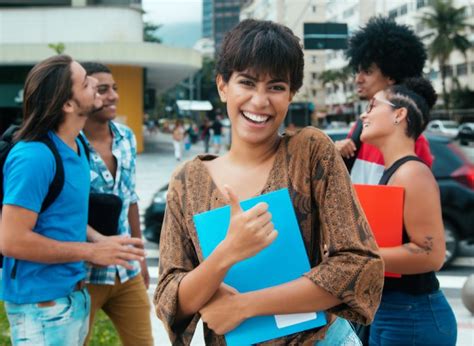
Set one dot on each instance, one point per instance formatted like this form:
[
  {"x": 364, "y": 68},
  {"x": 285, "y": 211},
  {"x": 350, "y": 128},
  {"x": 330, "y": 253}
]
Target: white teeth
[{"x": 256, "y": 117}]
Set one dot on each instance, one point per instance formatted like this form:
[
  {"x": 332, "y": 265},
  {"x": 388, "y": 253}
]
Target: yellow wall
[{"x": 129, "y": 81}]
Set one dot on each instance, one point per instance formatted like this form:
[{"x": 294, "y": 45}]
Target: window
[
  {"x": 313, "y": 91},
  {"x": 472, "y": 67},
  {"x": 393, "y": 13},
  {"x": 433, "y": 74},
  {"x": 313, "y": 8},
  {"x": 420, "y": 4},
  {"x": 314, "y": 75},
  {"x": 448, "y": 70},
  {"x": 313, "y": 59},
  {"x": 403, "y": 10},
  {"x": 461, "y": 69}
]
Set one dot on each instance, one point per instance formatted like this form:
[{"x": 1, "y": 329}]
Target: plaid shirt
[{"x": 124, "y": 149}]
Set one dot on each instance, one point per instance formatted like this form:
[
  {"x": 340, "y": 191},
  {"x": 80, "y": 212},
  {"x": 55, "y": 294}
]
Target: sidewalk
[{"x": 154, "y": 169}]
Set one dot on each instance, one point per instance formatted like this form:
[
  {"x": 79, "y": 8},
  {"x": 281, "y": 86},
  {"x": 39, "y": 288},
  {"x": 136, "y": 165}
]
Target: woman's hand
[
  {"x": 249, "y": 231},
  {"x": 222, "y": 312}
]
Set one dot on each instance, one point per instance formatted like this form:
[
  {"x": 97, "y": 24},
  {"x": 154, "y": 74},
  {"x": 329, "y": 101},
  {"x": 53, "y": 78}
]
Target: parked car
[
  {"x": 453, "y": 172},
  {"x": 445, "y": 128},
  {"x": 466, "y": 133}
]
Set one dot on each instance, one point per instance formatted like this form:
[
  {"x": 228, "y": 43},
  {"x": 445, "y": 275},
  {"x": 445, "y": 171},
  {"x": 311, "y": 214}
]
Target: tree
[
  {"x": 149, "y": 32},
  {"x": 449, "y": 25},
  {"x": 59, "y": 48}
]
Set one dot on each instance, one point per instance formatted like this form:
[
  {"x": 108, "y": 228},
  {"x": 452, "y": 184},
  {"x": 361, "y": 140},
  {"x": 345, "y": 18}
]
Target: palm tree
[{"x": 449, "y": 25}]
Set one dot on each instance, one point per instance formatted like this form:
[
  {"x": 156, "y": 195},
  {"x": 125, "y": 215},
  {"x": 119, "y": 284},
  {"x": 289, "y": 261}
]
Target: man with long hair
[
  {"x": 118, "y": 291},
  {"x": 382, "y": 53},
  {"x": 43, "y": 282}
]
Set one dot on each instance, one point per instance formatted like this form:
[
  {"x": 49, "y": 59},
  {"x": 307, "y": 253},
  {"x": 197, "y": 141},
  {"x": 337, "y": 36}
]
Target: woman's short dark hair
[
  {"x": 418, "y": 96},
  {"x": 262, "y": 47},
  {"x": 393, "y": 47},
  {"x": 48, "y": 87}
]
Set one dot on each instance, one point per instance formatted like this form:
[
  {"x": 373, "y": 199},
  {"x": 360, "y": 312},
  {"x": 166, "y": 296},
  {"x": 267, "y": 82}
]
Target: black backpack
[{"x": 56, "y": 186}]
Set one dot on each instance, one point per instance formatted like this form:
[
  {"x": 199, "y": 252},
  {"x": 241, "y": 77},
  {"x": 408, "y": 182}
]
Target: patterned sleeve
[
  {"x": 133, "y": 166},
  {"x": 351, "y": 269},
  {"x": 177, "y": 258}
]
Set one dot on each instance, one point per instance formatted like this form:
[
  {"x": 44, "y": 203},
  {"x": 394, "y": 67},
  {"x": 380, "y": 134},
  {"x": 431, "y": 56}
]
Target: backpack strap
[
  {"x": 57, "y": 184},
  {"x": 355, "y": 136},
  {"x": 387, "y": 174},
  {"x": 83, "y": 141}
]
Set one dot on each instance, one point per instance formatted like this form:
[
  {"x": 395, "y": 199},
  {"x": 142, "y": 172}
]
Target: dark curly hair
[
  {"x": 418, "y": 96},
  {"x": 262, "y": 47},
  {"x": 393, "y": 47}
]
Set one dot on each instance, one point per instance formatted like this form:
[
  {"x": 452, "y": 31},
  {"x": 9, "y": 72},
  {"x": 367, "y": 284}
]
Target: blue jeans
[
  {"x": 66, "y": 321},
  {"x": 340, "y": 333},
  {"x": 405, "y": 319}
]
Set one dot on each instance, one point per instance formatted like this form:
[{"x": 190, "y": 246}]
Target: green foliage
[
  {"x": 4, "y": 327},
  {"x": 462, "y": 98},
  {"x": 449, "y": 25},
  {"x": 103, "y": 334},
  {"x": 149, "y": 32},
  {"x": 59, "y": 48}
]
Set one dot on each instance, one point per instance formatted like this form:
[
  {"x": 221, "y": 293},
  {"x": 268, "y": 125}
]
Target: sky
[{"x": 172, "y": 11}]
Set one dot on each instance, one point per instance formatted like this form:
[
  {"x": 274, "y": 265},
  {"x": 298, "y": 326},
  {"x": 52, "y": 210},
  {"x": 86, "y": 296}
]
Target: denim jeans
[
  {"x": 405, "y": 319},
  {"x": 65, "y": 322},
  {"x": 340, "y": 333}
]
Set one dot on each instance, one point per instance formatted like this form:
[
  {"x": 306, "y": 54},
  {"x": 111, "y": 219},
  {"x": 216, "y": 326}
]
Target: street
[{"x": 154, "y": 168}]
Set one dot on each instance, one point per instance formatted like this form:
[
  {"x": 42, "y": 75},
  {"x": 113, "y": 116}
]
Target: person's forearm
[
  {"x": 199, "y": 285},
  {"x": 412, "y": 259},
  {"x": 297, "y": 296},
  {"x": 134, "y": 221},
  {"x": 34, "y": 247}
]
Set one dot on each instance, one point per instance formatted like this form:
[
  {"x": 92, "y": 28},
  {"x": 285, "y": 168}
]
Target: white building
[
  {"x": 356, "y": 13},
  {"x": 108, "y": 31}
]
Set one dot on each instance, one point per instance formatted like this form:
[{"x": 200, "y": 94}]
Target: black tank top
[{"x": 417, "y": 283}]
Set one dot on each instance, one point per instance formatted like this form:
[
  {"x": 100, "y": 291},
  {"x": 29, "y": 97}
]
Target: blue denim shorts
[
  {"x": 65, "y": 321},
  {"x": 405, "y": 319},
  {"x": 340, "y": 333}
]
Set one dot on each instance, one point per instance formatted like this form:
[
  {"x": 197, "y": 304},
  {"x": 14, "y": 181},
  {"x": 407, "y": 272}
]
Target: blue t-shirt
[{"x": 28, "y": 171}]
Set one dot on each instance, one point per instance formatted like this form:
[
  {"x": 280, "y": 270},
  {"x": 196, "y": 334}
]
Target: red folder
[{"x": 383, "y": 207}]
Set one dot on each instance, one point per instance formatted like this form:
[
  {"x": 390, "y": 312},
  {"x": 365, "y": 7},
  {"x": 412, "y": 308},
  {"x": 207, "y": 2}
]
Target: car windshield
[{"x": 450, "y": 125}]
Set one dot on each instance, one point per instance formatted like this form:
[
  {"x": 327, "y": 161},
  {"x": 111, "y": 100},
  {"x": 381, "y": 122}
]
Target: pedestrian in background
[
  {"x": 217, "y": 134},
  {"x": 413, "y": 310},
  {"x": 382, "y": 53},
  {"x": 206, "y": 134},
  {"x": 120, "y": 292},
  {"x": 44, "y": 291},
  {"x": 259, "y": 70},
  {"x": 178, "y": 138}
]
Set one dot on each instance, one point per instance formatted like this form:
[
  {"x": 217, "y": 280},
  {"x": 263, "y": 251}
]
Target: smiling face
[
  {"x": 379, "y": 120},
  {"x": 256, "y": 105},
  {"x": 107, "y": 90}
]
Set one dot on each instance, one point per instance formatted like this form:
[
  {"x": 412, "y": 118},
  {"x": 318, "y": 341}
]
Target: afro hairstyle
[{"x": 394, "y": 48}]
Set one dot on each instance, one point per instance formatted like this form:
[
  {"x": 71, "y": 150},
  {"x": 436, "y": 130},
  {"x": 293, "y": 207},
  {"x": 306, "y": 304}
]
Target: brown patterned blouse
[{"x": 340, "y": 245}]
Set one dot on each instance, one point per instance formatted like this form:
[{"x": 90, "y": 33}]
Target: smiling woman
[{"x": 259, "y": 70}]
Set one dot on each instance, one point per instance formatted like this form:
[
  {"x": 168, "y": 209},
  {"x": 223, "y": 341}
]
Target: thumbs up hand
[{"x": 249, "y": 231}]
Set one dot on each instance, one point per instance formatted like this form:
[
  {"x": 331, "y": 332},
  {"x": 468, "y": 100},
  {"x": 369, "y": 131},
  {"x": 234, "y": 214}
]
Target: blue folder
[{"x": 283, "y": 261}]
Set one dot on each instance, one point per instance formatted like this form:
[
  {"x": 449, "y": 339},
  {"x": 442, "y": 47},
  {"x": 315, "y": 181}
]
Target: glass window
[
  {"x": 461, "y": 69},
  {"x": 393, "y": 13},
  {"x": 420, "y": 3},
  {"x": 403, "y": 10}
]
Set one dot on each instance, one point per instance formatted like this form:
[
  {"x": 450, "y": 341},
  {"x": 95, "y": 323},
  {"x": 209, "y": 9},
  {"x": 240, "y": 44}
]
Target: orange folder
[{"x": 383, "y": 207}]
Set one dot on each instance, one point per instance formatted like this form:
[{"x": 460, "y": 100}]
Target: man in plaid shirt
[{"x": 121, "y": 293}]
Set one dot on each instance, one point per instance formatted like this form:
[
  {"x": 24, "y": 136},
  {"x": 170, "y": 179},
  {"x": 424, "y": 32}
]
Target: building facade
[
  {"x": 356, "y": 13},
  {"x": 109, "y": 31}
]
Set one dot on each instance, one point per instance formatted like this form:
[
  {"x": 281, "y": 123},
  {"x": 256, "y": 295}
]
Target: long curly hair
[{"x": 393, "y": 47}]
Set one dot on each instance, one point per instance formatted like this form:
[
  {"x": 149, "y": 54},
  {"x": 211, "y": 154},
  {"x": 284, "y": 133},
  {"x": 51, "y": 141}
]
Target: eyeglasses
[{"x": 371, "y": 104}]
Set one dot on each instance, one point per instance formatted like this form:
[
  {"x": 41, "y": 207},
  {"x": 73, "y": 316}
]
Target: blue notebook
[{"x": 283, "y": 261}]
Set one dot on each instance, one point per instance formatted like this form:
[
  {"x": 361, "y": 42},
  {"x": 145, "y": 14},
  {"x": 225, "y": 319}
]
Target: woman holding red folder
[
  {"x": 413, "y": 310},
  {"x": 259, "y": 70}
]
